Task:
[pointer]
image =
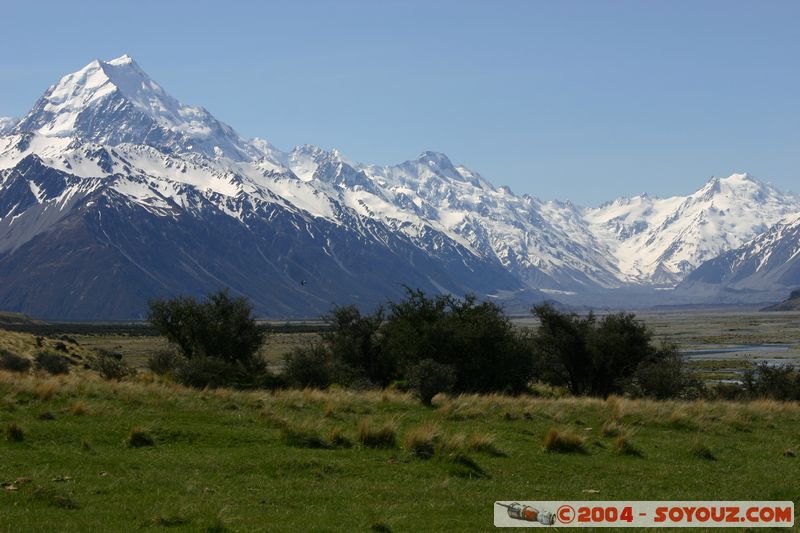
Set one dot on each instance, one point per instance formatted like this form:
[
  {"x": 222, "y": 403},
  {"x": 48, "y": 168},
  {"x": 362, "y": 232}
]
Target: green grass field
[
  {"x": 293, "y": 460},
  {"x": 236, "y": 461}
]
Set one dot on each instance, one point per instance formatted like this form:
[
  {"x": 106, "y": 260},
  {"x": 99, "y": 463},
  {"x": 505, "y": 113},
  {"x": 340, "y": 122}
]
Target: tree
[
  {"x": 221, "y": 327},
  {"x": 476, "y": 340},
  {"x": 562, "y": 348},
  {"x": 602, "y": 357},
  {"x": 353, "y": 345}
]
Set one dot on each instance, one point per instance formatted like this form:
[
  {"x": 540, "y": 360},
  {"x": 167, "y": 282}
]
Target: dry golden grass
[
  {"x": 373, "y": 436},
  {"x": 484, "y": 443},
  {"x": 422, "y": 441},
  {"x": 78, "y": 408},
  {"x": 612, "y": 428},
  {"x": 623, "y": 446},
  {"x": 563, "y": 441}
]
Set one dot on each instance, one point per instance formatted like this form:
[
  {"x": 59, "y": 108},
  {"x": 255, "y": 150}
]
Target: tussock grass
[
  {"x": 78, "y": 408},
  {"x": 303, "y": 436},
  {"x": 54, "y": 498},
  {"x": 422, "y": 441},
  {"x": 563, "y": 442},
  {"x": 140, "y": 437},
  {"x": 14, "y": 432},
  {"x": 679, "y": 419},
  {"x": 338, "y": 439},
  {"x": 372, "y": 436},
  {"x": 612, "y": 428},
  {"x": 702, "y": 451},
  {"x": 484, "y": 443},
  {"x": 623, "y": 446}
]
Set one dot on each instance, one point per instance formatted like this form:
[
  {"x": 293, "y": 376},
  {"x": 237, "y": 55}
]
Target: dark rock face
[{"x": 109, "y": 255}]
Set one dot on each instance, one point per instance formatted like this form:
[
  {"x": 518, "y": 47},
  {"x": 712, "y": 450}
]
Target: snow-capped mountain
[
  {"x": 110, "y": 185},
  {"x": 769, "y": 262},
  {"x": 7, "y": 124},
  {"x": 662, "y": 240}
]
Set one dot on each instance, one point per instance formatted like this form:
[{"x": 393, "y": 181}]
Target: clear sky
[{"x": 573, "y": 100}]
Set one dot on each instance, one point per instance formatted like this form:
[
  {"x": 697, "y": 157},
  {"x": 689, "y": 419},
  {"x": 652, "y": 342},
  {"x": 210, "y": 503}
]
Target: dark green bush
[
  {"x": 604, "y": 356},
  {"x": 221, "y": 327},
  {"x": 475, "y": 339},
  {"x": 163, "y": 362},
  {"x": 354, "y": 348},
  {"x": 110, "y": 367},
  {"x": 308, "y": 367},
  {"x": 780, "y": 382},
  {"x": 13, "y": 362},
  {"x": 213, "y": 372},
  {"x": 664, "y": 375},
  {"x": 51, "y": 363},
  {"x": 428, "y": 378}
]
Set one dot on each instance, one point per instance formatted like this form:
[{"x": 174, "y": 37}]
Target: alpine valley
[{"x": 113, "y": 193}]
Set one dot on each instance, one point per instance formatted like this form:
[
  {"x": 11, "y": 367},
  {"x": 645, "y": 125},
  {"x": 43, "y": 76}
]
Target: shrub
[
  {"x": 563, "y": 442},
  {"x": 139, "y": 437},
  {"x": 308, "y": 367},
  {"x": 776, "y": 382},
  {"x": 14, "y": 433},
  {"x": 52, "y": 363},
  {"x": 371, "y": 436},
  {"x": 212, "y": 372},
  {"x": 13, "y": 362},
  {"x": 221, "y": 327},
  {"x": 110, "y": 367},
  {"x": 663, "y": 375},
  {"x": 603, "y": 357},
  {"x": 163, "y": 362},
  {"x": 353, "y": 347},
  {"x": 428, "y": 378}
]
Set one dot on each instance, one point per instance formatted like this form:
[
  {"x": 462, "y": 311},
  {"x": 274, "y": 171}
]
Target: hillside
[{"x": 792, "y": 303}]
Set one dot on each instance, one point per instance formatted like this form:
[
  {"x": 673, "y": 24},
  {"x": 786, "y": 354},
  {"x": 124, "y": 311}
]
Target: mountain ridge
[{"x": 108, "y": 127}]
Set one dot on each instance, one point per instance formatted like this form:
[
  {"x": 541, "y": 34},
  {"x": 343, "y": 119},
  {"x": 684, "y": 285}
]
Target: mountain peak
[
  {"x": 113, "y": 102},
  {"x": 124, "y": 59}
]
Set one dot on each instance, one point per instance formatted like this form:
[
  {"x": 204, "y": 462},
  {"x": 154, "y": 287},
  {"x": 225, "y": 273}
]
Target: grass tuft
[
  {"x": 612, "y": 428},
  {"x": 623, "y": 446},
  {"x": 337, "y": 438},
  {"x": 78, "y": 408},
  {"x": 140, "y": 437},
  {"x": 373, "y": 436},
  {"x": 54, "y": 498},
  {"x": 702, "y": 451},
  {"x": 563, "y": 442},
  {"x": 302, "y": 437},
  {"x": 484, "y": 444},
  {"x": 421, "y": 441},
  {"x": 14, "y": 433}
]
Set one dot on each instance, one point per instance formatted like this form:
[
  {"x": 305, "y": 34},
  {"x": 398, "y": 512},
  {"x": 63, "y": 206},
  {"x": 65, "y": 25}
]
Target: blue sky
[{"x": 583, "y": 101}]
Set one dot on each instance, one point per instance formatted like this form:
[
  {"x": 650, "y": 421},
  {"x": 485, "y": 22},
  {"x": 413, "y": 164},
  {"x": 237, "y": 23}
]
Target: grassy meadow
[{"x": 83, "y": 454}]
